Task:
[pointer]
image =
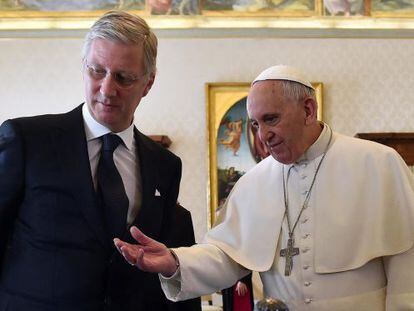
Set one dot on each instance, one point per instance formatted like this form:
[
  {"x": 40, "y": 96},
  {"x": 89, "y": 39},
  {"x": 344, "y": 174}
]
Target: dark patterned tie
[{"x": 111, "y": 189}]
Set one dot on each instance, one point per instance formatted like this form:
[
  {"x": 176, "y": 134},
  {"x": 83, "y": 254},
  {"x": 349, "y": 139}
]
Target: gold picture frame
[
  {"x": 292, "y": 17},
  {"x": 94, "y": 8},
  {"x": 222, "y": 121},
  {"x": 262, "y": 8}
]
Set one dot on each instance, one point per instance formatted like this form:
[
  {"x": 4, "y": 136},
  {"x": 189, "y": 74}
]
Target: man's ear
[
  {"x": 311, "y": 110},
  {"x": 149, "y": 84}
]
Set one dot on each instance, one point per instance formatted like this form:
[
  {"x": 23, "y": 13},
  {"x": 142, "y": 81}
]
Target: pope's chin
[{"x": 275, "y": 150}]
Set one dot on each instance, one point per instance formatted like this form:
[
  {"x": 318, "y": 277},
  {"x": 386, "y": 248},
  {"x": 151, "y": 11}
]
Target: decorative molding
[{"x": 354, "y": 26}]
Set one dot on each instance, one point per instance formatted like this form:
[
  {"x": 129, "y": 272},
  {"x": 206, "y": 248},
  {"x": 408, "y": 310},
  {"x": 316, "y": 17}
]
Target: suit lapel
[{"x": 71, "y": 147}]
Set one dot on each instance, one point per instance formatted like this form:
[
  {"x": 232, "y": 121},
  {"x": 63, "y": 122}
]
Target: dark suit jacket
[{"x": 54, "y": 251}]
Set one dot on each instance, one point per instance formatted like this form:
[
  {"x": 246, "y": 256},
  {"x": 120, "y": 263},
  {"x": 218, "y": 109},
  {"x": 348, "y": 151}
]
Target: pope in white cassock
[{"x": 327, "y": 220}]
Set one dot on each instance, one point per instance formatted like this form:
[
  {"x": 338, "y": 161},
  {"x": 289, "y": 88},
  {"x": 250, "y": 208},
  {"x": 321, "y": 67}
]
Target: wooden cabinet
[
  {"x": 402, "y": 142},
  {"x": 163, "y": 140}
]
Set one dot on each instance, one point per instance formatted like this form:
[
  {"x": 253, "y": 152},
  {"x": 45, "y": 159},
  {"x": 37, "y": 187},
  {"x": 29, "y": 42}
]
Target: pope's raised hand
[{"x": 148, "y": 255}]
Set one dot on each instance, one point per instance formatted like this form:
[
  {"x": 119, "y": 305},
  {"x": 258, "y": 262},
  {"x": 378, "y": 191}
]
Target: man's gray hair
[
  {"x": 127, "y": 28},
  {"x": 296, "y": 91}
]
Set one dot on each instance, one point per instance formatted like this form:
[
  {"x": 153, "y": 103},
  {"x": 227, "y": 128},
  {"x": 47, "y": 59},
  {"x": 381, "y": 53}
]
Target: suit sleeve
[
  {"x": 11, "y": 180},
  {"x": 399, "y": 269}
]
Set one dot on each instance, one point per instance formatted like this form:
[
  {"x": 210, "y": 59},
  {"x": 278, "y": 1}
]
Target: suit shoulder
[{"x": 43, "y": 122}]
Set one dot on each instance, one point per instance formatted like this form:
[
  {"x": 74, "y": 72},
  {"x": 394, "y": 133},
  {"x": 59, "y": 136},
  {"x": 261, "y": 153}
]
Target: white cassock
[{"x": 355, "y": 237}]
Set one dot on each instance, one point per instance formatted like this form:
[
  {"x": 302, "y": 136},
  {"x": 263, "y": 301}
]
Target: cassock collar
[
  {"x": 317, "y": 148},
  {"x": 94, "y": 129}
]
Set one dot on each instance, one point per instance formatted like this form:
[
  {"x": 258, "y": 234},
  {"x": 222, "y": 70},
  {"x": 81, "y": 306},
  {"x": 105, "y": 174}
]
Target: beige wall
[{"x": 368, "y": 86}]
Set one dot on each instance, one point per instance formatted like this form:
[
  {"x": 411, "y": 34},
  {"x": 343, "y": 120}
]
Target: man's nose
[
  {"x": 108, "y": 86},
  {"x": 264, "y": 133}
]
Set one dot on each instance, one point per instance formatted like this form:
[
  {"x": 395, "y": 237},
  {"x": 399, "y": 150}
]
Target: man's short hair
[
  {"x": 296, "y": 91},
  {"x": 126, "y": 28}
]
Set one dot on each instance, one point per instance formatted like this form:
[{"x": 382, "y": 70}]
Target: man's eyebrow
[{"x": 270, "y": 114}]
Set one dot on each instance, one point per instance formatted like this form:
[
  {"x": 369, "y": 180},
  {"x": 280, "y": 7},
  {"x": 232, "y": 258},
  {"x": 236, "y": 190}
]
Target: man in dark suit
[{"x": 64, "y": 194}]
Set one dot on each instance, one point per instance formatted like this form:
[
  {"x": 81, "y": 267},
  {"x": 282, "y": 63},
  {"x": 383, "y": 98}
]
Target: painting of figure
[
  {"x": 392, "y": 8},
  {"x": 233, "y": 135},
  {"x": 234, "y": 157},
  {"x": 174, "y": 7},
  {"x": 344, "y": 7},
  {"x": 71, "y": 5},
  {"x": 260, "y": 7}
]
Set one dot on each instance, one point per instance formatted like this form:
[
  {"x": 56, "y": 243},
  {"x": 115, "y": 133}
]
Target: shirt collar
[
  {"x": 94, "y": 129},
  {"x": 318, "y": 147}
]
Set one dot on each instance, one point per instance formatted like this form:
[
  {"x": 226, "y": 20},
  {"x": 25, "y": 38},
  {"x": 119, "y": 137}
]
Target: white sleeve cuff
[{"x": 171, "y": 285}]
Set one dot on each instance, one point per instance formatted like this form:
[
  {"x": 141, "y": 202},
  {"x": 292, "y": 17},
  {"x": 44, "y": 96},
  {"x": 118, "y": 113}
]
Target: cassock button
[
  {"x": 306, "y": 267},
  {"x": 308, "y": 300},
  {"x": 304, "y": 220},
  {"x": 305, "y": 236},
  {"x": 307, "y": 284}
]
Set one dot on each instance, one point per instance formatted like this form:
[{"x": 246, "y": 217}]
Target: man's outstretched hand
[{"x": 148, "y": 255}]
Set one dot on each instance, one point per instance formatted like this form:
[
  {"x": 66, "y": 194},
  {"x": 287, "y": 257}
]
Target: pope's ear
[
  {"x": 311, "y": 110},
  {"x": 149, "y": 84}
]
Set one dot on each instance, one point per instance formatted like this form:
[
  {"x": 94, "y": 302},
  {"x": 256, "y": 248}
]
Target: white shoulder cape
[{"x": 364, "y": 208}]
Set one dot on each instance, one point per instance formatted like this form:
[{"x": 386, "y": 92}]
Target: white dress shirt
[{"x": 125, "y": 158}]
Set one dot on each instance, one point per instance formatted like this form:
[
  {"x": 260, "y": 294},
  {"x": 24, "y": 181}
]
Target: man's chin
[
  {"x": 108, "y": 121},
  {"x": 104, "y": 108}
]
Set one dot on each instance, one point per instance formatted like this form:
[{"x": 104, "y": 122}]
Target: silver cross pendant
[{"x": 289, "y": 252}]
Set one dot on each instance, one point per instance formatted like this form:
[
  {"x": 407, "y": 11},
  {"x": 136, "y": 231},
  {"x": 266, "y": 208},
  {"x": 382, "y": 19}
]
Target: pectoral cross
[{"x": 289, "y": 252}]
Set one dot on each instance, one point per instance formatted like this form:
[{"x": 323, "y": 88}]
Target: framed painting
[
  {"x": 61, "y": 14},
  {"x": 346, "y": 8},
  {"x": 233, "y": 145},
  {"x": 89, "y": 9},
  {"x": 82, "y": 8},
  {"x": 212, "y": 14},
  {"x": 285, "y": 8},
  {"x": 392, "y": 8},
  {"x": 71, "y": 7}
]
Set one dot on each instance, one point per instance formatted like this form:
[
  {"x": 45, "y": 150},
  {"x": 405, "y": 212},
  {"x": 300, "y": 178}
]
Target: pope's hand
[{"x": 148, "y": 255}]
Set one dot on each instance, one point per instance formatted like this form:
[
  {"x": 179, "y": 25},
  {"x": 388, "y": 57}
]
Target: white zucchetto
[{"x": 283, "y": 72}]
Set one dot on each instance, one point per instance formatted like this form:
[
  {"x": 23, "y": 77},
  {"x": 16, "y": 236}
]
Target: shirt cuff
[{"x": 171, "y": 285}]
